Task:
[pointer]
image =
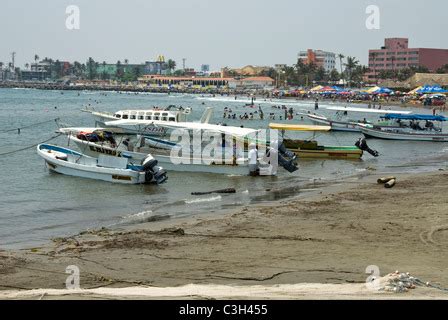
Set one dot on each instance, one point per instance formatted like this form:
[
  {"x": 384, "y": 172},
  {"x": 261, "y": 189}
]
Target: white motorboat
[
  {"x": 105, "y": 168},
  {"x": 400, "y": 130},
  {"x": 153, "y": 119},
  {"x": 343, "y": 123},
  {"x": 170, "y": 161}
]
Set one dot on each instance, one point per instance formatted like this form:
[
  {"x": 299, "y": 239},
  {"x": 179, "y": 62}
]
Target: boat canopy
[
  {"x": 295, "y": 127},
  {"x": 415, "y": 117},
  {"x": 379, "y": 111}
]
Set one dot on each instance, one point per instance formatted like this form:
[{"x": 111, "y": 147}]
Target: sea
[{"x": 36, "y": 205}]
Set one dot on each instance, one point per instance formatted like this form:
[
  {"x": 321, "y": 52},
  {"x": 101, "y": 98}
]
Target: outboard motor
[
  {"x": 154, "y": 173},
  {"x": 362, "y": 144},
  {"x": 283, "y": 151},
  {"x": 283, "y": 155}
]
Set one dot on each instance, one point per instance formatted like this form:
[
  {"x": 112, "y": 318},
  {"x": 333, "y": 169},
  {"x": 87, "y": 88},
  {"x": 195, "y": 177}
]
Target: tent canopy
[
  {"x": 414, "y": 117},
  {"x": 431, "y": 89}
]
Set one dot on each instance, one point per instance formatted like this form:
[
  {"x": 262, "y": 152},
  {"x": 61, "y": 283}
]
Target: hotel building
[
  {"x": 396, "y": 54},
  {"x": 324, "y": 59}
]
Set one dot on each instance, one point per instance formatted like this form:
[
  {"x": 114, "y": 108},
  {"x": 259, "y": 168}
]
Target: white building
[{"x": 320, "y": 58}]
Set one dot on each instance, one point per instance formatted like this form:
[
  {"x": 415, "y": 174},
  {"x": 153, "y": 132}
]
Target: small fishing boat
[
  {"x": 105, "y": 168},
  {"x": 407, "y": 127},
  {"x": 311, "y": 148},
  {"x": 230, "y": 160}
]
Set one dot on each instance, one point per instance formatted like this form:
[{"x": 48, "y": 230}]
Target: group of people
[
  {"x": 229, "y": 114},
  {"x": 288, "y": 114}
]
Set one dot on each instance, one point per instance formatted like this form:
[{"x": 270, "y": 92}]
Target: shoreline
[
  {"x": 216, "y": 91},
  {"x": 328, "y": 237}
]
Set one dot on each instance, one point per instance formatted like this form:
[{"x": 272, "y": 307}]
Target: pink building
[{"x": 396, "y": 54}]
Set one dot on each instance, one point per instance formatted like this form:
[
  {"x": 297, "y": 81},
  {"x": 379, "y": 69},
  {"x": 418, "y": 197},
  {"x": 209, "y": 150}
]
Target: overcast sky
[{"x": 221, "y": 33}]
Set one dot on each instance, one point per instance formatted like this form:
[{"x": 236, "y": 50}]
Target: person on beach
[
  {"x": 316, "y": 104},
  {"x": 253, "y": 160}
]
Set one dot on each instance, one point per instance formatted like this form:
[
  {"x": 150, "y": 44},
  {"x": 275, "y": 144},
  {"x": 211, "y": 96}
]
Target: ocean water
[{"x": 36, "y": 205}]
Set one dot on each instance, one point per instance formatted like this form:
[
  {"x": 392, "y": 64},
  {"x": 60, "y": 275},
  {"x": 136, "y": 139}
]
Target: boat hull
[
  {"x": 182, "y": 164},
  {"x": 390, "y": 135},
  {"x": 91, "y": 172},
  {"x": 329, "y": 154},
  {"x": 335, "y": 125},
  {"x": 311, "y": 150}
]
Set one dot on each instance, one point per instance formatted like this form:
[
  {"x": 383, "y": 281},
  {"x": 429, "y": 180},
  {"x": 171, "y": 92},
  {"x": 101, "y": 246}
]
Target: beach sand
[{"x": 313, "y": 247}]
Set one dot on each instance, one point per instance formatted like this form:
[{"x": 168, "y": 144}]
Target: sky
[{"x": 231, "y": 33}]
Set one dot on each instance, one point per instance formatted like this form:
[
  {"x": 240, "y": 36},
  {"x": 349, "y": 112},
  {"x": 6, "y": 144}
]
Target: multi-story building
[
  {"x": 34, "y": 75},
  {"x": 320, "y": 58},
  {"x": 396, "y": 54}
]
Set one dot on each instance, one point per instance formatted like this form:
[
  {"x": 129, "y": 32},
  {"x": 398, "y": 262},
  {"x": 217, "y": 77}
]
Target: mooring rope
[
  {"x": 29, "y": 147},
  {"x": 29, "y": 126}
]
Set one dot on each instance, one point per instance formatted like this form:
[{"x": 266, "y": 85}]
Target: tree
[
  {"x": 321, "y": 75},
  {"x": 443, "y": 69},
  {"x": 27, "y": 66},
  {"x": 341, "y": 56},
  {"x": 119, "y": 74},
  {"x": 36, "y": 58},
  {"x": 358, "y": 74},
  {"x": 374, "y": 55},
  {"x": 136, "y": 72},
  {"x": 91, "y": 68},
  {"x": 171, "y": 65},
  {"x": 104, "y": 74},
  {"x": 334, "y": 75},
  {"x": 350, "y": 66}
]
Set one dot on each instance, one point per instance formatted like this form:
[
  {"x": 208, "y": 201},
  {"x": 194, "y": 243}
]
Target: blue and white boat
[
  {"x": 408, "y": 127},
  {"x": 105, "y": 167}
]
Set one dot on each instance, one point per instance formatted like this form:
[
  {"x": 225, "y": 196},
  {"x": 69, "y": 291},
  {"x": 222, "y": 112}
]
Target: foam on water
[{"x": 211, "y": 199}]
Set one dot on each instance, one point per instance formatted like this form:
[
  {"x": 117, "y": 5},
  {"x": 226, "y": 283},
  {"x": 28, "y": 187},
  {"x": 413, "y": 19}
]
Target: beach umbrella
[
  {"x": 372, "y": 90},
  {"x": 383, "y": 91},
  {"x": 316, "y": 88}
]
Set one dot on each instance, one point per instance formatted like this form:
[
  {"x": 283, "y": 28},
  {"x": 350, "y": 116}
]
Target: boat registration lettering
[{"x": 114, "y": 153}]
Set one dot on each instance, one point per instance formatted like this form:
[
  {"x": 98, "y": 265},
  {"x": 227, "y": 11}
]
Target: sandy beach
[{"x": 314, "y": 246}]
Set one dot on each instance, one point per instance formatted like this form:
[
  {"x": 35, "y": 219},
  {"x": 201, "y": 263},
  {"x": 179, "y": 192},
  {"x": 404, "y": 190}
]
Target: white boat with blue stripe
[{"x": 105, "y": 168}]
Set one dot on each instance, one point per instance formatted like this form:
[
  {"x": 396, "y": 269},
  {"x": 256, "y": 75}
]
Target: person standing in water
[
  {"x": 316, "y": 104},
  {"x": 253, "y": 160}
]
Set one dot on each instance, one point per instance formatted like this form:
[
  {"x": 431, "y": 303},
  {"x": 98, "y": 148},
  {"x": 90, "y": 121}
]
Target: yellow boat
[{"x": 311, "y": 149}]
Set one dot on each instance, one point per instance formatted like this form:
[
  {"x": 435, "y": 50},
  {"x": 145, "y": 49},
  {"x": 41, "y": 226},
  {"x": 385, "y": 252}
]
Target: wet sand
[{"x": 315, "y": 246}]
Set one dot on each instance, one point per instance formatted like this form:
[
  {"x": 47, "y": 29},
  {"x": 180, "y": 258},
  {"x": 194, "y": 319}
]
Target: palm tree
[
  {"x": 341, "y": 56},
  {"x": 91, "y": 68},
  {"x": 36, "y": 58},
  {"x": 392, "y": 60},
  {"x": 119, "y": 73},
  {"x": 171, "y": 64},
  {"x": 374, "y": 55},
  {"x": 351, "y": 64}
]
